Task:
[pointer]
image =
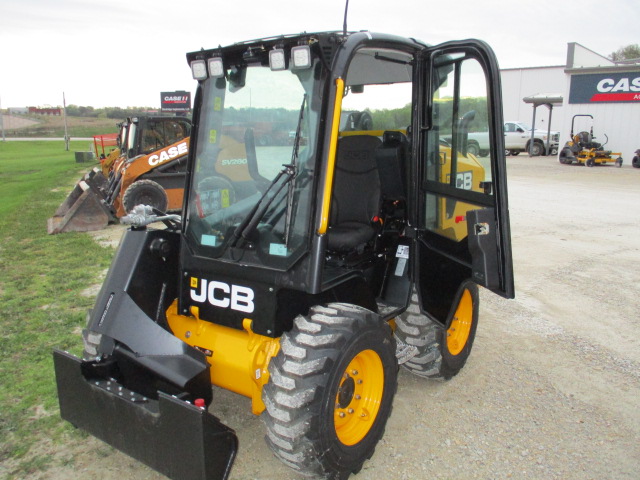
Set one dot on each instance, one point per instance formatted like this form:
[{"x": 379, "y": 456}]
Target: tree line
[{"x": 117, "y": 113}]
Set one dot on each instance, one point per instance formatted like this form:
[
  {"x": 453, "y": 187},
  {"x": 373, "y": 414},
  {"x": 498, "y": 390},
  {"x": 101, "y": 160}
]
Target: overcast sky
[{"x": 125, "y": 52}]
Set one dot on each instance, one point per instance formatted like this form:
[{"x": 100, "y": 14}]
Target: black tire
[
  {"x": 590, "y": 162},
  {"x": 565, "y": 157},
  {"x": 145, "y": 192},
  {"x": 364, "y": 122},
  {"x": 619, "y": 162},
  {"x": 636, "y": 162},
  {"x": 434, "y": 353},
  {"x": 333, "y": 368},
  {"x": 537, "y": 150},
  {"x": 473, "y": 148}
]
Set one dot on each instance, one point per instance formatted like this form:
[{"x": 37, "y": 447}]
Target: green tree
[{"x": 627, "y": 52}]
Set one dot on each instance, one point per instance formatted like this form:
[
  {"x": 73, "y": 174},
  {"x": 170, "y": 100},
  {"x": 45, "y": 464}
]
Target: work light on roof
[
  {"x": 216, "y": 67},
  {"x": 199, "y": 70},
  {"x": 277, "y": 59},
  {"x": 301, "y": 56}
]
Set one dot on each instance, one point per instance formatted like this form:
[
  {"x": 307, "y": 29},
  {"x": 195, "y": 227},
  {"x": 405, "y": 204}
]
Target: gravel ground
[{"x": 552, "y": 387}]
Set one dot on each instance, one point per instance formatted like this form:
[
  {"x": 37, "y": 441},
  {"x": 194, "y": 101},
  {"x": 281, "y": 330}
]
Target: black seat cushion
[{"x": 356, "y": 193}]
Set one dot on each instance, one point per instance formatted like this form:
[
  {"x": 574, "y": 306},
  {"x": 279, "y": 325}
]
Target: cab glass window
[{"x": 458, "y": 168}]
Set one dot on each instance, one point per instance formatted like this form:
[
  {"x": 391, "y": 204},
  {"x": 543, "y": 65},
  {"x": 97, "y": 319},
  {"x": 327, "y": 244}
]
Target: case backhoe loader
[
  {"x": 301, "y": 276},
  {"x": 148, "y": 167}
]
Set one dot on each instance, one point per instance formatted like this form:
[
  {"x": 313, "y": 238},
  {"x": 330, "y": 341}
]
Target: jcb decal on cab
[
  {"x": 169, "y": 153},
  {"x": 220, "y": 294}
]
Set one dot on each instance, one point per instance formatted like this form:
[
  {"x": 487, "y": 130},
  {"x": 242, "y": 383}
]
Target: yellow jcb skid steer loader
[
  {"x": 301, "y": 276},
  {"x": 150, "y": 169}
]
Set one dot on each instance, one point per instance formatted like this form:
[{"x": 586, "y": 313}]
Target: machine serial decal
[{"x": 223, "y": 295}]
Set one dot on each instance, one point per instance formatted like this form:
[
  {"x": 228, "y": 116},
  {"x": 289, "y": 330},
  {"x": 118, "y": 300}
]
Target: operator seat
[{"x": 356, "y": 194}]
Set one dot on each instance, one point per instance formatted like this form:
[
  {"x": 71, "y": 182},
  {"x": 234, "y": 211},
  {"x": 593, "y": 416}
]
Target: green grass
[
  {"x": 41, "y": 277},
  {"x": 54, "y": 126}
]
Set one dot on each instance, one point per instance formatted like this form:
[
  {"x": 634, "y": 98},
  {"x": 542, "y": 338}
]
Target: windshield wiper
[
  {"x": 294, "y": 162},
  {"x": 250, "y": 222}
]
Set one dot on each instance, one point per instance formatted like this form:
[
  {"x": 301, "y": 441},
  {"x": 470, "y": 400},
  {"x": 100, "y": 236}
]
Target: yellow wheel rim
[
  {"x": 359, "y": 397},
  {"x": 460, "y": 327}
]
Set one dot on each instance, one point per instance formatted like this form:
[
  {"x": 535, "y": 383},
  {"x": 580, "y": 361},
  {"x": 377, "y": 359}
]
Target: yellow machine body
[{"x": 238, "y": 358}]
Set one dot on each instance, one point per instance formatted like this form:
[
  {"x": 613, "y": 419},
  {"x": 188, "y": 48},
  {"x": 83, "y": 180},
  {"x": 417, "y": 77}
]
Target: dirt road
[{"x": 552, "y": 388}]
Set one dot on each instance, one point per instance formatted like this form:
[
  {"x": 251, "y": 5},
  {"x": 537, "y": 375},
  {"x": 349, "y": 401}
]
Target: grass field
[
  {"x": 41, "y": 278},
  {"x": 53, "y": 126}
]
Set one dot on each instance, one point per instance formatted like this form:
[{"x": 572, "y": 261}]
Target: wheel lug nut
[
  {"x": 354, "y": 372},
  {"x": 350, "y": 410},
  {"x": 341, "y": 414}
]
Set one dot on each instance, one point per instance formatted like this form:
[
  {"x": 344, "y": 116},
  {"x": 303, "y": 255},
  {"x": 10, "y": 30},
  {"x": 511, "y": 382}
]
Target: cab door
[{"x": 460, "y": 210}]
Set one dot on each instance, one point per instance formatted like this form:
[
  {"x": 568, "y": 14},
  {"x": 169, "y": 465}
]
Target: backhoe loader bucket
[{"x": 84, "y": 209}]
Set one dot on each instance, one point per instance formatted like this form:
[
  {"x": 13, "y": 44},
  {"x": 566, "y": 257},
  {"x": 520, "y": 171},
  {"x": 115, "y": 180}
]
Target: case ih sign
[
  {"x": 175, "y": 101},
  {"x": 605, "y": 88}
]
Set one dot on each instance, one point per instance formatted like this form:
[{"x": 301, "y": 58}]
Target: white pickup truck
[{"x": 517, "y": 137}]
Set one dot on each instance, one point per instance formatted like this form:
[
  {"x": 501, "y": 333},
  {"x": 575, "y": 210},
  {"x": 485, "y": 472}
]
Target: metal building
[{"x": 589, "y": 84}]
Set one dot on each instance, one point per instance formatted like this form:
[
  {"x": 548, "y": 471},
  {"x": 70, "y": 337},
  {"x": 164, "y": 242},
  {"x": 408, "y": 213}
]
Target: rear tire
[
  {"x": 439, "y": 352},
  {"x": 537, "y": 149},
  {"x": 145, "y": 192},
  {"x": 330, "y": 390},
  {"x": 473, "y": 148},
  {"x": 636, "y": 162}
]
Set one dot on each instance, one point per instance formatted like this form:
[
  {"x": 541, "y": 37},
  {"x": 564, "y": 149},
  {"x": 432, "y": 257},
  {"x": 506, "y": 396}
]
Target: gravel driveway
[{"x": 552, "y": 387}]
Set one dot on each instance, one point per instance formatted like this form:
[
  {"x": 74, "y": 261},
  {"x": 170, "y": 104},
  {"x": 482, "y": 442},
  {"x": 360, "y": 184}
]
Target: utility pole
[
  {"x": 4, "y": 139},
  {"x": 66, "y": 135}
]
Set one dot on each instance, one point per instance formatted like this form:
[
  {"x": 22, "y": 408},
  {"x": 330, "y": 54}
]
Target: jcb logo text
[{"x": 223, "y": 295}]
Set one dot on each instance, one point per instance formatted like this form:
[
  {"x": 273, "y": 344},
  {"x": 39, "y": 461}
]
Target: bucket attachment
[
  {"x": 84, "y": 209},
  {"x": 175, "y": 438}
]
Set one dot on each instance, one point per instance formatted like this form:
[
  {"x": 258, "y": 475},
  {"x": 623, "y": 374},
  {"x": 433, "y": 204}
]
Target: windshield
[{"x": 254, "y": 124}]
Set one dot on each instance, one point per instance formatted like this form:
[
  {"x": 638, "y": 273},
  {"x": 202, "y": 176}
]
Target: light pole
[
  {"x": 4, "y": 139},
  {"x": 66, "y": 136}
]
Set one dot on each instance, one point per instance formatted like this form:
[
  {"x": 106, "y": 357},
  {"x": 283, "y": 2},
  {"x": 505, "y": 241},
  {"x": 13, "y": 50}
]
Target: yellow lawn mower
[{"x": 584, "y": 150}]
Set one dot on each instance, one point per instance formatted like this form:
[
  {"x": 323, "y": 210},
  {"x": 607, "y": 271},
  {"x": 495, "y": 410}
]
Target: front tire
[
  {"x": 145, "y": 192},
  {"x": 439, "y": 352},
  {"x": 330, "y": 390}
]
